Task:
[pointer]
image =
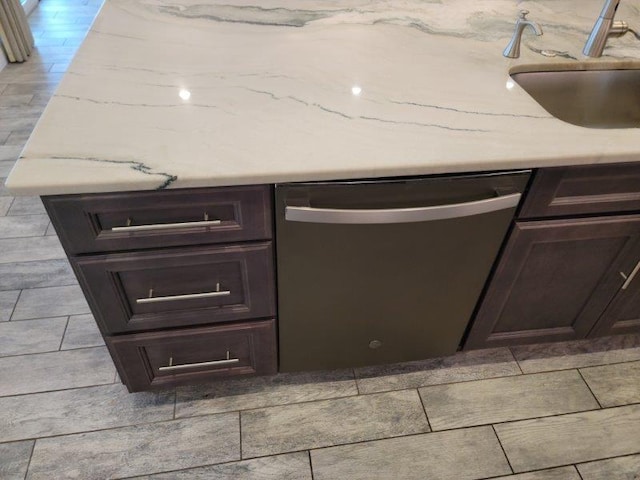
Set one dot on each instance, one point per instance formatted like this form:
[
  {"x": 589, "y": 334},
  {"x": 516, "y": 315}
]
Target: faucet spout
[
  {"x": 513, "y": 48},
  {"x": 603, "y": 28}
]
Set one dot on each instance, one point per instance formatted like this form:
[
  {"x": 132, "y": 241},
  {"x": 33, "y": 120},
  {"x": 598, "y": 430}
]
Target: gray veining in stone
[
  {"x": 573, "y": 438},
  {"x": 290, "y": 466},
  {"x": 14, "y": 459},
  {"x": 42, "y": 372},
  {"x": 581, "y": 353},
  {"x": 81, "y": 332},
  {"x": 323, "y": 423},
  {"x": 29, "y": 226},
  {"x": 138, "y": 450},
  {"x": 8, "y": 301},
  {"x": 80, "y": 410},
  {"x": 257, "y": 392},
  {"x": 36, "y": 274},
  {"x": 36, "y": 336},
  {"x": 50, "y": 301},
  {"x": 561, "y": 473},
  {"x": 621, "y": 468},
  {"x": 614, "y": 385},
  {"x": 505, "y": 399},
  {"x": 472, "y": 365},
  {"x": 466, "y": 454},
  {"x": 14, "y": 250}
]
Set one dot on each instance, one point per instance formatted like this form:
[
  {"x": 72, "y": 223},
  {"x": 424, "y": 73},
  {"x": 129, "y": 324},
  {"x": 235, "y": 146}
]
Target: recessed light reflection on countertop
[
  {"x": 356, "y": 90},
  {"x": 184, "y": 94},
  {"x": 510, "y": 83}
]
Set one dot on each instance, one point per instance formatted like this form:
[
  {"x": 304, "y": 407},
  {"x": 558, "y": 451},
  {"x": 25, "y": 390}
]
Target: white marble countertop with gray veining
[{"x": 194, "y": 93}]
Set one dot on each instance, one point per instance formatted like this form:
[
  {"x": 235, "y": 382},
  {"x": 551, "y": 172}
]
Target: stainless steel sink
[{"x": 604, "y": 98}]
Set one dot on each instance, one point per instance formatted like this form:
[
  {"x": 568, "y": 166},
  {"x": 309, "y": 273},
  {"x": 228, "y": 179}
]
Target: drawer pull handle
[
  {"x": 214, "y": 363},
  {"x": 166, "y": 226},
  {"x": 188, "y": 296},
  {"x": 629, "y": 279}
]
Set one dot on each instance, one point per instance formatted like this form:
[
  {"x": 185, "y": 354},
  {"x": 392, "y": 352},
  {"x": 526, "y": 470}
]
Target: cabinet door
[
  {"x": 623, "y": 314},
  {"x": 554, "y": 280}
]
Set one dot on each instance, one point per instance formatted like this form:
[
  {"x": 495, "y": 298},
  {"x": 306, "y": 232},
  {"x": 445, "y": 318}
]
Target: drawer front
[
  {"x": 128, "y": 221},
  {"x": 178, "y": 287},
  {"x": 175, "y": 357},
  {"x": 588, "y": 189}
]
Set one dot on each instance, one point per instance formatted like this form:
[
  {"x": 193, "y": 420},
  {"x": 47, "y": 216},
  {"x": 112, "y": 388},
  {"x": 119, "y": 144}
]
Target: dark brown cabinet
[
  {"x": 181, "y": 283},
  {"x": 566, "y": 273}
]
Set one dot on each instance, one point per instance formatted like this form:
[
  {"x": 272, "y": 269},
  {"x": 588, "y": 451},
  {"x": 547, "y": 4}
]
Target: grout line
[
  {"x": 424, "y": 408},
  {"x": 64, "y": 333},
  {"x": 240, "y": 433},
  {"x": 589, "y": 387},
  {"x": 33, "y": 447},
  {"x": 578, "y": 472},
  {"x": 310, "y": 463},
  {"x": 15, "y": 305},
  {"x": 175, "y": 399},
  {"x": 516, "y": 360},
  {"x": 503, "y": 450}
]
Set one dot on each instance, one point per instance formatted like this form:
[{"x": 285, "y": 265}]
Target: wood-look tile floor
[{"x": 566, "y": 411}]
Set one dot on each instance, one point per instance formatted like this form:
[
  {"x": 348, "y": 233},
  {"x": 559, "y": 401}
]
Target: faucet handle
[{"x": 523, "y": 14}]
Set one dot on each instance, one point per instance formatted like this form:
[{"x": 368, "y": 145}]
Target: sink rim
[{"x": 599, "y": 65}]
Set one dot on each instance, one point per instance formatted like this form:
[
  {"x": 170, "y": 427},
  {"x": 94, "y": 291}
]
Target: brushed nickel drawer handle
[
  {"x": 400, "y": 215},
  {"x": 629, "y": 279},
  {"x": 166, "y": 226},
  {"x": 213, "y": 363},
  {"x": 187, "y": 296}
]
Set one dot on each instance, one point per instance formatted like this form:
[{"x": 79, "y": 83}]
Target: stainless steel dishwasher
[{"x": 388, "y": 270}]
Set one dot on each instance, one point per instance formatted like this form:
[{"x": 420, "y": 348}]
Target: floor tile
[
  {"x": 580, "y": 353},
  {"x": 257, "y": 392},
  {"x": 23, "y": 226},
  {"x": 14, "y": 460},
  {"x": 80, "y": 410},
  {"x": 50, "y": 301},
  {"x": 331, "y": 422},
  {"x": 573, "y": 438},
  {"x": 465, "y": 454},
  {"x": 45, "y": 273},
  {"x": 33, "y": 87},
  {"x": 5, "y": 204},
  {"x": 614, "y": 385},
  {"x": 18, "y": 137},
  {"x": 30, "y": 249},
  {"x": 473, "y": 365},
  {"x": 562, "y": 473},
  {"x": 50, "y": 230},
  {"x": 4, "y": 135},
  {"x": 15, "y": 100},
  {"x": 621, "y": 468},
  {"x": 32, "y": 336},
  {"x": 44, "y": 372},
  {"x": 8, "y": 301},
  {"x": 291, "y": 466},
  {"x": 3, "y": 190},
  {"x": 505, "y": 399},
  {"x": 8, "y": 154},
  {"x": 145, "y": 449},
  {"x": 7, "y": 164},
  {"x": 81, "y": 332},
  {"x": 27, "y": 206}
]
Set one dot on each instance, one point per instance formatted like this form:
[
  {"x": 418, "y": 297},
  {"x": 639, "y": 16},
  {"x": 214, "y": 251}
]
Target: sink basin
[{"x": 605, "y": 98}]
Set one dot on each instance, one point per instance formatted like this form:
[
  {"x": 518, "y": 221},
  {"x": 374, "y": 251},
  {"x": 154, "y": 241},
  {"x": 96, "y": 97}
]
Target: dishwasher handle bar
[{"x": 400, "y": 215}]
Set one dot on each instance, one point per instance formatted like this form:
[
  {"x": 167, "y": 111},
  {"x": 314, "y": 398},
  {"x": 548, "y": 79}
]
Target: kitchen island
[{"x": 185, "y": 115}]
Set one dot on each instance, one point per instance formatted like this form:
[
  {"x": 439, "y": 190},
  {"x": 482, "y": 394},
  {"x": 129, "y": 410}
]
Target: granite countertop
[{"x": 193, "y": 93}]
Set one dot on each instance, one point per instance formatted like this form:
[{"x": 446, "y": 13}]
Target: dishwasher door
[{"x": 376, "y": 272}]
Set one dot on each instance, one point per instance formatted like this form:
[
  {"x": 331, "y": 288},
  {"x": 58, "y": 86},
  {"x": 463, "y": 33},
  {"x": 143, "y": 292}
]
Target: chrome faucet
[
  {"x": 513, "y": 48},
  {"x": 604, "y": 26}
]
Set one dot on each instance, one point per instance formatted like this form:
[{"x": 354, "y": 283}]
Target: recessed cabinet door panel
[
  {"x": 168, "y": 358},
  {"x": 554, "y": 280},
  {"x": 170, "y": 288},
  {"x": 134, "y": 220}
]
